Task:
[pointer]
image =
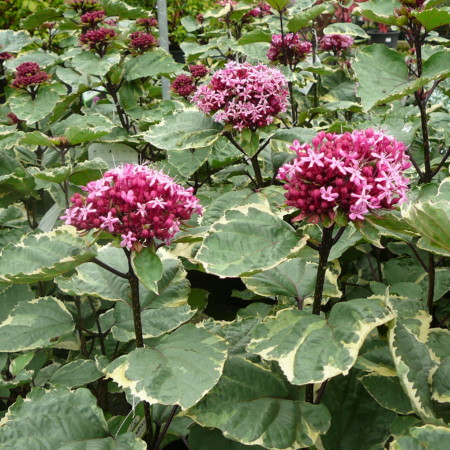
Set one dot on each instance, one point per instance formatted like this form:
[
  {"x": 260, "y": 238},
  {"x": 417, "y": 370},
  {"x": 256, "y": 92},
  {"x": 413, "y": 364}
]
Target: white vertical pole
[{"x": 163, "y": 42}]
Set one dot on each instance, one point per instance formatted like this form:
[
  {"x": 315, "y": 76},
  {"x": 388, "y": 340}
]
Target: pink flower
[
  {"x": 134, "y": 202},
  {"x": 147, "y": 23},
  {"x": 29, "y": 74},
  {"x": 141, "y": 42},
  {"x": 98, "y": 40},
  {"x": 263, "y": 9},
  {"x": 335, "y": 43},
  {"x": 328, "y": 194},
  {"x": 243, "y": 95},
  {"x": 355, "y": 173},
  {"x": 5, "y": 55},
  {"x": 108, "y": 222},
  {"x": 93, "y": 18},
  {"x": 127, "y": 240},
  {"x": 288, "y": 49},
  {"x": 183, "y": 85},
  {"x": 198, "y": 70}
]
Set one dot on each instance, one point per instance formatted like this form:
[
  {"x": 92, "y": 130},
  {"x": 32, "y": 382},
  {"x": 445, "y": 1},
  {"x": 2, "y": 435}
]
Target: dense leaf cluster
[{"x": 248, "y": 326}]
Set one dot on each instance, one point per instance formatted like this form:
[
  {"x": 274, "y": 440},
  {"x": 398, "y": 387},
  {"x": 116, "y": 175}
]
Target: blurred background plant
[{"x": 13, "y": 11}]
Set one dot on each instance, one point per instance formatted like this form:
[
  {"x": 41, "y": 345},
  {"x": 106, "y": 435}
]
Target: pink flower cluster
[
  {"x": 5, "y": 55},
  {"x": 48, "y": 25},
  {"x": 243, "y": 95},
  {"x": 335, "y": 43},
  {"x": 141, "y": 41},
  {"x": 93, "y": 18},
  {"x": 147, "y": 23},
  {"x": 288, "y": 49},
  {"x": 98, "y": 40},
  {"x": 198, "y": 70},
  {"x": 134, "y": 202},
  {"x": 263, "y": 9},
  {"x": 29, "y": 74},
  {"x": 354, "y": 172},
  {"x": 183, "y": 85}
]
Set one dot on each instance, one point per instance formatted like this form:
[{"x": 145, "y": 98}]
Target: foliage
[{"x": 304, "y": 304}]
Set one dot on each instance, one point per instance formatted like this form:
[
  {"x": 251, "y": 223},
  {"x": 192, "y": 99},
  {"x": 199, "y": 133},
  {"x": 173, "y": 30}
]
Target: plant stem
[
  {"x": 136, "y": 306},
  {"x": 320, "y": 392},
  {"x": 443, "y": 161},
  {"x": 324, "y": 252},
  {"x": 110, "y": 269},
  {"x": 421, "y": 103},
  {"x": 83, "y": 347},
  {"x": 257, "y": 169},
  {"x": 99, "y": 328},
  {"x": 416, "y": 254},
  {"x": 431, "y": 283},
  {"x": 293, "y": 104},
  {"x": 166, "y": 427}
]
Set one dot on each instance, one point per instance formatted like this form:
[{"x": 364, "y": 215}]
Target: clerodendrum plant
[
  {"x": 246, "y": 264},
  {"x": 139, "y": 205}
]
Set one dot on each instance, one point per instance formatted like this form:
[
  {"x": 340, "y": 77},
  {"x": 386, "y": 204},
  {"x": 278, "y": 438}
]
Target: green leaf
[
  {"x": 186, "y": 130},
  {"x": 12, "y": 294},
  {"x": 36, "y": 19},
  {"x": 441, "y": 382},
  {"x": 186, "y": 161},
  {"x": 91, "y": 279},
  {"x": 33, "y": 110},
  {"x": 348, "y": 28},
  {"x": 207, "y": 439},
  {"x": 357, "y": 420},
  {"x": 35, "y": 324},
  {"x": 436, "y": 67},
  {"x": 294, "y": 278},
  {"x": 247, "y": 239},
  {"x": 255, "y": 36},
  {"x": 380, "y": 10},
  {"x": 36, "y": 138},
  {"x": 391, "y": 80},
  {"x": 164, "y": 372},
  {"x": 80, "y": 423},
  {"x": 56, "y": 175},
  {"x": 430, "y": 220},
  {"x": 76, "y": 374},
  {"x": 161, "y": 312},
  {"x": 41, "y": 257},
  {"x": 413, "y": 364},
  {"x": 425, "y": 437},
  {"x": 304, "y": 18},
  {"x": 278, "y": 5},
  {"x": 122, "y": 10},
  {"x": 310, "y": 349},
  {"x": 13, "y": 41},
  {"x": 387, "y": 391},
  {"x": 217, "y": 208},
  {"x": 89, "y": 63},
  {"x": 77, "y": 128},
  {"x": 148, "y": 268},
  {"x": 152, "y": 64},
  {"x": 432, "y": 18},
  {"x": 388, "y": 82},
  {"x": 87, "y": 171},
  {"x": 237, "y": 333},
  {"x": 250, "y": 404}
]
